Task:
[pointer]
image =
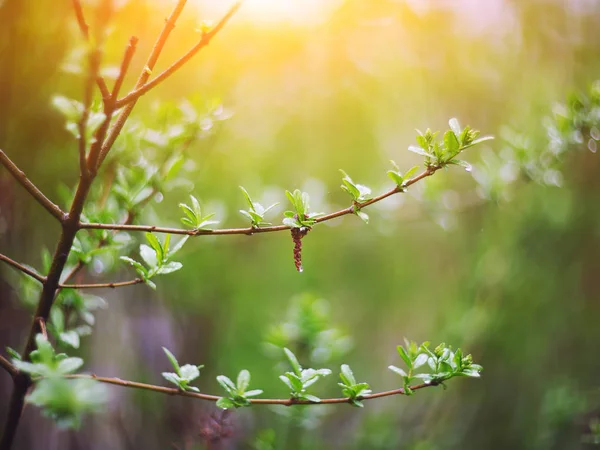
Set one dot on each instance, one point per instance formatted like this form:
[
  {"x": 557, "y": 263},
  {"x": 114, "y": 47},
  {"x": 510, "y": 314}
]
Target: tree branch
[
  {"x": 114, "y": 132},
  {"x": 204, "y": 41},
  {"x": 102, "y": 285},
  {"x": 26, "y": 270},
  {"x": 85, "y": 30},
  {"x": 129, "y": 52},
  {"x": 254, "y": 401},
  {"x": 6, "y": 365},
  {"x": 70, "y": 222},
  {"x": 250, "y": 231},
  {"x": 19, "y": 175},
  {"x": 109, "y": 108},
  {"x": 94, "y": 67}
]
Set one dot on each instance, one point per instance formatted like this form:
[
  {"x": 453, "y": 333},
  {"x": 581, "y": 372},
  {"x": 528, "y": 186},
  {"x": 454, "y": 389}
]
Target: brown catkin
[{"x": 297, "y": 235}]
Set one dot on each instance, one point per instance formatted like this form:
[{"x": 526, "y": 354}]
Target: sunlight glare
[{"x": 296, "y": 11}]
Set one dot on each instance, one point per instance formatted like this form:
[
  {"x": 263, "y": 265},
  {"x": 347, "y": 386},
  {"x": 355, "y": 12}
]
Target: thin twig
[
  {"x": 88, "y": 95},
  {"x": 254, "y": 401},
  {"x": 6, "y": 365},
  {"x": 250, "y": 231},
  {"x": 102, "y": 285},
  {"x": 129, "y": 52},
  {"x": 19, "y": 175},
  {"x": 26, "y": 270},
  {"x": 204, "y": 41},
  {"x": 42, "y": 323},
  {"x": 143, "y": 78},
  {"x": 83, "y": 26},
  {"x": 85, "y": 30},
  {"x": 109, "y": 109}
]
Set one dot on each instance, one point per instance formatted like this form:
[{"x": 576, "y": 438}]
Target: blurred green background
[{"x": 510, "y": 275}]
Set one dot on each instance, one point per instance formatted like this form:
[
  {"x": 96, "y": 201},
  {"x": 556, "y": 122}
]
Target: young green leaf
[
  {"x": 195, "y": 218},
  {"x": 256, "y": 212}
]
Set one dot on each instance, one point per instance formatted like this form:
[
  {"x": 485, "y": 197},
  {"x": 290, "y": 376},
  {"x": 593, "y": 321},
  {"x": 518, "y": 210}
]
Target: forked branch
[
  {"x": 85, "y": 30},
  {"x": 100, "y": 152},
  {"x": 204, "y": 41}
]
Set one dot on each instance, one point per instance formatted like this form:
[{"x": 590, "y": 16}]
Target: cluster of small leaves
[
  {"x": 443, "y": 362},
  {"x": 157, "y": 257},
  {"x": 151, "y": 159},
  {"x": 308, "y": 326},
  {"x": 61, "y": 399},
  {"x": 194, "y": 217},
  {"x": 359, "y": 193},
  {"x": 97, "y": 248},
  {"x": 593, "y": 437},
  {"x": 299, "y": 380},
  {"x": 351, "y": 388},
  {"x": 238, "y": 392},
  {"x": 443, "y": 153},
  {"x": 573, "y": 125},
  {"x": 45, "y": 362},
  {"x": 73, "y": 111},
  {"x": 183, "y": 375},
  {"x": 255, "y": 212},
  {"x": 72, "y": 316},
  {"x": 134, "y": 186},
  {"x": 576, "y": 124},
  {"x": 300, "y": 217},
  {"x": 397, "y": 177},
  {"x": 57, "y": 327}
]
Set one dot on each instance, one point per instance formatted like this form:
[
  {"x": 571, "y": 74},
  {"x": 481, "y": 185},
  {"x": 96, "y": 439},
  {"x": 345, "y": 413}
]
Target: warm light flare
[{"x": 297, "y": 11}]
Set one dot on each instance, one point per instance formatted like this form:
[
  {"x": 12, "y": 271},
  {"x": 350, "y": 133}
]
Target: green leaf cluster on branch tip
[
  {"x": 135, "y": 186},
  {"x": 577, "y": 123},
  {"x": 183, "y": 375},
  {"x": 352, "y": 389},
  {"x": 46, "y": 363},
  {"x": 359, "y": 193},
  {"x": 301, "y": 217},
  {"x": 299, "y": 380},
  {"x": 85, "y": 247},
  {"x": 58, "y": 328},
  {"x": 157, "y": 258},
  {"x": 61, "y": 399},
  {"x": 308, "y": 325},
  {"x": 238, "y": 392},
  {"x": 73, "y": 111},
  {"x": 397, "y": 177},
  {"x": 195, "y": 219},
  {"x": 442, "y": 362},
  {"x": 441, "y": 154},
  {"x": 256, "y": 212}
]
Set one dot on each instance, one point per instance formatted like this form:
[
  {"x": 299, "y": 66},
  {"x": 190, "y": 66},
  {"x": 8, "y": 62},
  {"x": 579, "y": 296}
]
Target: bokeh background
[{"x": 504, "y": 266}]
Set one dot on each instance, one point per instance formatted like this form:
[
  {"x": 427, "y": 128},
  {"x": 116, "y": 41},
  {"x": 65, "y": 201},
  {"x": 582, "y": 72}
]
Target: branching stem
[
  {"x": 250, "y": 230},
  {"x": 70, "y": 222},
  {"x": 254, "y": 401},
  {"x": 85, "y": 30},
  {"x": 204, "y": 41},
  {"x": 114, "y": 132}
]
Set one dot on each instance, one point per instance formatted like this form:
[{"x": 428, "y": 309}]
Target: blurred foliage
[{"x": 278, "y": 106}]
